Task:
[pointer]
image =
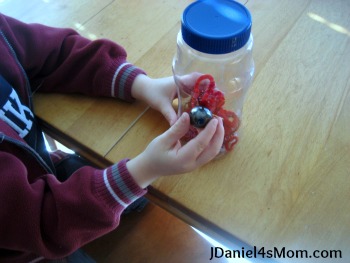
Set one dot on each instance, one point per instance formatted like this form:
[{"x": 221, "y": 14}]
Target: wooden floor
[{"x": 153, "y": 236}]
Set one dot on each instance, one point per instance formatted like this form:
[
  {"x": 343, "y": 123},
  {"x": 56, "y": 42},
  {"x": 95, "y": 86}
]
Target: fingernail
[
  {"x": 217, "y": 121},
  {"x": 220, "y": 119}
]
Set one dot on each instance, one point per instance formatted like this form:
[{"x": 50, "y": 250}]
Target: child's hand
[
  {"x": 157, "y": 93},
  {"x": 166, "y": 156}
]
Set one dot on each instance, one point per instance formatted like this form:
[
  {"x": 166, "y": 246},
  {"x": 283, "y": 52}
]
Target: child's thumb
[
  {"x": 169, "y": 114},
  {"x": 178, "y": 130}
]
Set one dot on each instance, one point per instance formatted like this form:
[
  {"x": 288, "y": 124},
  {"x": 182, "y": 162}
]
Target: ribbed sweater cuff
[
  {"x": 123, "y": 79},
  {"x": 116, "y": 187}
]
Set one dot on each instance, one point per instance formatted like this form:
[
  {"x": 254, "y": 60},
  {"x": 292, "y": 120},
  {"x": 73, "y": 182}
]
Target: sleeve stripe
[
  {"x": 116, "y": 186},
  {"x": 123, "y": 80},
  {"x": 111, "y": 191},
  {"x": 115, "y": 78},
  {"x": 122, "y": 187}
]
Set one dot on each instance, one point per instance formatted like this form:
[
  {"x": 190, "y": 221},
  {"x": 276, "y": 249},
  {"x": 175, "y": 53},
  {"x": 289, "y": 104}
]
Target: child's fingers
[
  {"x": 197, "y": 145},
  {"x": 177, "y": 131},
  {"x": 169, "y": 114},
  {"x": 214, "y": 146}
]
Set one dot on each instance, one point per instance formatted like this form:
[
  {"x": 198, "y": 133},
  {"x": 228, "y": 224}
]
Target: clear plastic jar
[{"x": 213, "y": 67}]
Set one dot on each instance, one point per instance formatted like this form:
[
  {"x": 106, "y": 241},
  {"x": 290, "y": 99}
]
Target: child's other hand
[
  {"x": 157, "y": 93},
  {"x": 166, "y": 156},
  {"x": 160, "y": 93}
]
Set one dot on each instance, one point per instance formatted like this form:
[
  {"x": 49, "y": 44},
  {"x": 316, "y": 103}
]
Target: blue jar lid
[{"x": 216, "y": 26}]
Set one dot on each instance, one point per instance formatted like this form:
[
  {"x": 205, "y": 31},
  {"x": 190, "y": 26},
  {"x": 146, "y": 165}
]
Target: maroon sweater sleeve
[
  {"x": 53, "y": 219},
  {"x": 38, "y": 214},
  {"x": 41, "y": 216},
  {"x": 61, "y": 60}
]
